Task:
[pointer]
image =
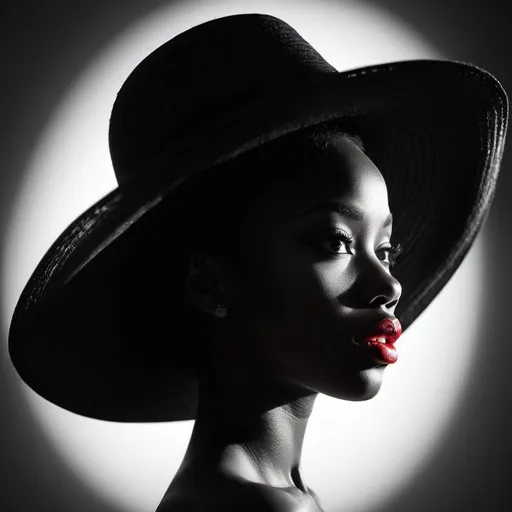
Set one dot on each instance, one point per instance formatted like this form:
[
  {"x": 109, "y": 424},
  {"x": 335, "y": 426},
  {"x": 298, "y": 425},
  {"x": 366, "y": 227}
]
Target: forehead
[{"x": 341, "y": 173}]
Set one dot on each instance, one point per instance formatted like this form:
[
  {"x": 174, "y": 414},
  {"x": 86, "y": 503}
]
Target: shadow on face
[{"x": 313, "y": 273}]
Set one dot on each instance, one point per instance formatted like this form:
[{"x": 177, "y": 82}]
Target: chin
[{"x": 359, "y": 387}]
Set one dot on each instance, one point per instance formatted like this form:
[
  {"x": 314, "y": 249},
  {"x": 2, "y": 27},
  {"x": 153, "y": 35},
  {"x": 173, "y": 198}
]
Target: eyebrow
[{"x": 346, "y": 211}]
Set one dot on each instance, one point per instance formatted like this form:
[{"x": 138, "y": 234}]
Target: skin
[{"x": 295, "y": 300}]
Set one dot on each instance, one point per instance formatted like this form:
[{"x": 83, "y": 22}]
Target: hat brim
[{"x": 436, "y": 131}]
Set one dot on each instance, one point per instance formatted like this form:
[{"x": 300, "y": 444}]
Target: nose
[{"x": 378, "y": 287}]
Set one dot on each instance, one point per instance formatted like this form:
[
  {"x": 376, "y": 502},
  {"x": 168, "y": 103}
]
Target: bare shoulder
[{"x": 230, "y": 495}]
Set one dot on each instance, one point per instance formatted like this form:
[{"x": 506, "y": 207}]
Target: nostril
[
  {"x": 393, "y": 303},
  {"x": 380, "y": 300}
]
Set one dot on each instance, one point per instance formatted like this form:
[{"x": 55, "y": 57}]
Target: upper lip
[{"x": 388, "y": 328}]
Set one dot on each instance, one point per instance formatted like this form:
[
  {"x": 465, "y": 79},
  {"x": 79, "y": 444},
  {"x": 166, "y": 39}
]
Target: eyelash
[{"x": 393, "y": 251}]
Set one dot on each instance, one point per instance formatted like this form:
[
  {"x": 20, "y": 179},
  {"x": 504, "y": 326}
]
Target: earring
[{"x": 221, "y": 311}]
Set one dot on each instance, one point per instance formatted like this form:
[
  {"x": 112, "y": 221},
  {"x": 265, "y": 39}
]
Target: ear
[{"x": 202, "y": 284}]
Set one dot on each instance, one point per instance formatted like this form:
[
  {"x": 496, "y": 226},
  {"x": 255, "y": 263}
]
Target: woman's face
[{"x": 314, "y": 274}]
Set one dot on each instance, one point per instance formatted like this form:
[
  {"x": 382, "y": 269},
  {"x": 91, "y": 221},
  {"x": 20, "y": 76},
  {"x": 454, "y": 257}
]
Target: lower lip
[{"x": 384, "y": 353}]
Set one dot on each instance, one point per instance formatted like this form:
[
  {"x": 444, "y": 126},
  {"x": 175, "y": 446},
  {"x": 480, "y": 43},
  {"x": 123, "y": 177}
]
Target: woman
[
  {"x": 309, "y": 274},
  {"x": 245, "y": 263}
]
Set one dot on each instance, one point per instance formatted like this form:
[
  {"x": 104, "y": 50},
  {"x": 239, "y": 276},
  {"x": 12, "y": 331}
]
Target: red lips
[
  {"x": 385, "y": 352},
  {"x": 390, "y": 329}
]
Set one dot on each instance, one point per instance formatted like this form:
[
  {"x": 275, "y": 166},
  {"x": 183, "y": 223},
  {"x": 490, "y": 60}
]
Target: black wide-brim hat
[{"x": 435, "y": 129}]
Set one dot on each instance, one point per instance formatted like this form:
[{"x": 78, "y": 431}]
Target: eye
[
  {"x": 338, "y": 243},
  {"x": 390, "y": 254}
]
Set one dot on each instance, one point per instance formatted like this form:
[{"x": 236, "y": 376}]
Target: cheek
[
  {"x": 335, "y": 277},
  {"x": 289, "y": 303},
  {"x": 279, "y": 283}
]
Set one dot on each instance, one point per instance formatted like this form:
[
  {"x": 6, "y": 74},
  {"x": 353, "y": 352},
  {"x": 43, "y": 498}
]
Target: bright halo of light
[{"x": 356, "y": 455}]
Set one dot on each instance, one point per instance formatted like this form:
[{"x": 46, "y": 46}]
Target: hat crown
[{"x": 197, "y": 77}]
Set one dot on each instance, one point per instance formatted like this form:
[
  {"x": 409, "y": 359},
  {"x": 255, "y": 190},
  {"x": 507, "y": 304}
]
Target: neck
[{"x": 250, "y": 425}]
